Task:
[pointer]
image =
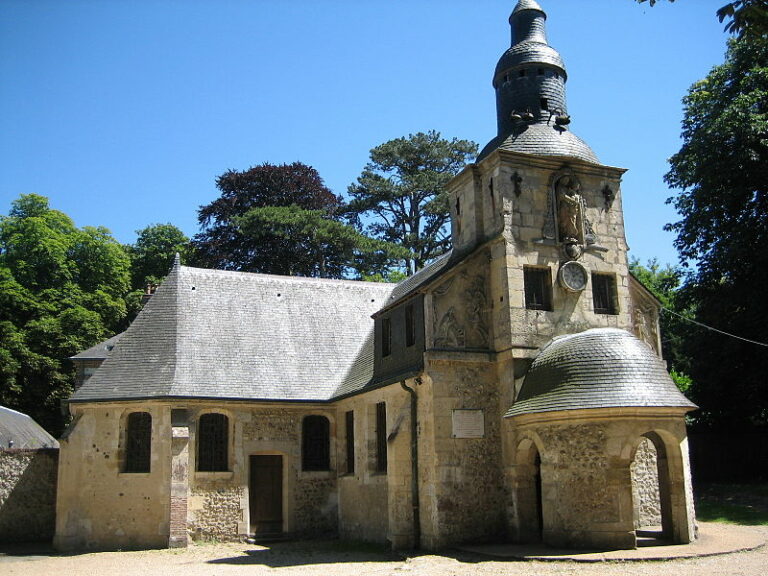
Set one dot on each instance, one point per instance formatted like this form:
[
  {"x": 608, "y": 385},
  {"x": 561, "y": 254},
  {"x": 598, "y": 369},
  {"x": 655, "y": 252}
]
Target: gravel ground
[{"x": 340, "y": 559}]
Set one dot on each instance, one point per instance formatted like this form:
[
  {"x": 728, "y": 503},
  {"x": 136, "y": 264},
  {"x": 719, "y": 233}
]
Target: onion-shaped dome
[{"x": 598, "y": 368}]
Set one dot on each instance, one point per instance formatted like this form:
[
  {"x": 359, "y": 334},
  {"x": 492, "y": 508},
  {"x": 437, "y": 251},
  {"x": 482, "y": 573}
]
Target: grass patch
[{"x": 744, "y": 504}]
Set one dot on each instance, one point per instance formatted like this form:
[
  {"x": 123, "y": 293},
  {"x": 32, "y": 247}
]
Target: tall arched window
[
  {"x": 315, "y": 443},
  {"x": 212, "y": 443},
  {"x": 138, "y": 442}
]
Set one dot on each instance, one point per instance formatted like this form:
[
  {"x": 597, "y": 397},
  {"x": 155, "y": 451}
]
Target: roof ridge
[{"x": 296, "y": 279}]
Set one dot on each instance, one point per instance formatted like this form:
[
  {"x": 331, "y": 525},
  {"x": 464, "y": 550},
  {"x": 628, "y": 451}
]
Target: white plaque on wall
[{"x": 468, "y": 424}]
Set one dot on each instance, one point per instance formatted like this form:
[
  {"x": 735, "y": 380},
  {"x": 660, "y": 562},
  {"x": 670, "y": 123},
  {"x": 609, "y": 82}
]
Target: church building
[{"x": 511, "y": 391}]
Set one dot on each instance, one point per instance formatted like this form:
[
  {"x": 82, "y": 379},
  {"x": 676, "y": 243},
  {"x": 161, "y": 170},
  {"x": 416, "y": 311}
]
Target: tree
[
  {"x": 401, "y": 194},
  {"x": 61, "y": 291},
  {"x": 744, "y": 16},
  {"x": 721, "y": 171},
  {"x": 320, "y": 245},
  {"x": 283, "y": 220},
  {"x": 153, "y": 253},
  {"x": 222, "y": 243}
]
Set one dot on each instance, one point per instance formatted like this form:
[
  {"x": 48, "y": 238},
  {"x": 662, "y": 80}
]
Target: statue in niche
[{"x": 568, "y": 210}]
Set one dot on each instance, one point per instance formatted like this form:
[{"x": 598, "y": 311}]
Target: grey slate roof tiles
[
  {"x": 527, "y": 5},
  {"x": 100, "y": 350},
  {"x": 543, "y": 140},
  {"x": 234, "y": 335},
  {"x": 19, "y": 431},
  {"x": 412, "y": 283},
  {"x": 598, "y": 368}
]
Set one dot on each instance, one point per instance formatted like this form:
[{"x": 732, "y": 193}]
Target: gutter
[{"x": 414, "y": 467}]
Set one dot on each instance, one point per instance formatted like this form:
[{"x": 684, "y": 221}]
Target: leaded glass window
[
  {"x": 315, "y": 444},
  {"x": 213, "y": 443}
]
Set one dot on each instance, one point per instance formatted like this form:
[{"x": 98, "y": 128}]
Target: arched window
[
  {"x": 138, "y": 442},
  {"x": 212, "y": 443},
  {"x": 315, "y": 443}
]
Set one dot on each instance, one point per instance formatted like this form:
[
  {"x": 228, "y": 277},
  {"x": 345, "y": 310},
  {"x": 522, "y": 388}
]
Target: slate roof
[
  {"x": 100, "y": 351},
  {"x": 598, "y": 368},
  {"x": 413, "y": 283},
  {"x": 527, "y": 5},
  {"x": 544, "y": 140},
  {"x": 22, "y": 431},
  {"x": 530, "y": 53},
  {"x": 235, "y": 335}
]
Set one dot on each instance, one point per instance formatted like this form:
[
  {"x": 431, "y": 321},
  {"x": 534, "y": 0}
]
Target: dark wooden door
[{"x": 266, "y": 494}]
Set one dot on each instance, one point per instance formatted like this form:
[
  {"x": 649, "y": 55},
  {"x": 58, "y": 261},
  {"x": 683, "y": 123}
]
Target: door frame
[{"x": 285, "y": 492}]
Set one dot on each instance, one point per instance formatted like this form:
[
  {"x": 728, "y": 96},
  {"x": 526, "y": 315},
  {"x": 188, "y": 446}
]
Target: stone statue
[{"x": 568, "y": 210}]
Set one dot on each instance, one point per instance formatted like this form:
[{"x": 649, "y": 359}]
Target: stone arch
[
  {"x": 528, "y": 489},
  {"x": 673, "y": 496}
]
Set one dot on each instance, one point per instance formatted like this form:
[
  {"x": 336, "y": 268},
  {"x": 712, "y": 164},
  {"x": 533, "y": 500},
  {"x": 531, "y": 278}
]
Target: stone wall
[
  {"x": 219, "y": 501},
  {"x": 465, "y": 500},
  {"x": 377, "y": 506},
  {"x": 645, "y": 486},
  {"x": 99, "y": 506},
  {"x": 512, "y": 197},
  {"x": 217, "y": 511},
  {"x": 28, "y": 494},
  {"x": 592, "y": 495}
]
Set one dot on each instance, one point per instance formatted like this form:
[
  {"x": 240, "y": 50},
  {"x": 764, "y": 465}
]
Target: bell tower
[{"x": 539, "y": 195}]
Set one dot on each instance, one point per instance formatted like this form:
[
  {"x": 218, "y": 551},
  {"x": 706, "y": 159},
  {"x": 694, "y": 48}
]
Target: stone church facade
[{"x": 513, "y": 390}]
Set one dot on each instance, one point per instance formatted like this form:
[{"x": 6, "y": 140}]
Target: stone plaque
[{"x": 468, "y": 424}]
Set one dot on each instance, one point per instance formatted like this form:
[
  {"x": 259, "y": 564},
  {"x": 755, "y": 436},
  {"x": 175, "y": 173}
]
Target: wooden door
[{"x": 266, "y": 494}]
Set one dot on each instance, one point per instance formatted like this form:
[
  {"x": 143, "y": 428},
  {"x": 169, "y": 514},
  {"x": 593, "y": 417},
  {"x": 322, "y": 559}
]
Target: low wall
[{"x": 28, "y": 494}]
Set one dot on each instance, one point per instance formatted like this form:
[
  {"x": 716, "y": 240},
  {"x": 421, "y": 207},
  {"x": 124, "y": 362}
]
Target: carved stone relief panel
[
  {"x": 645, "y": 324},
  {"x": 460, "y": 312}
]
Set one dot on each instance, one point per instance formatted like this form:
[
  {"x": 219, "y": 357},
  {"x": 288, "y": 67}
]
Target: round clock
[{"x": 573, "y": 276}]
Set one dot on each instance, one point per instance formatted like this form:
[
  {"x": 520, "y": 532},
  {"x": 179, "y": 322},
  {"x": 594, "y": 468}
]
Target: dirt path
[{"x": 340, "y": 559}]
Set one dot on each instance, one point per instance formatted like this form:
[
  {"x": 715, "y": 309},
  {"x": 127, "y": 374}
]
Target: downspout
[{"x": 414, "y": 467}]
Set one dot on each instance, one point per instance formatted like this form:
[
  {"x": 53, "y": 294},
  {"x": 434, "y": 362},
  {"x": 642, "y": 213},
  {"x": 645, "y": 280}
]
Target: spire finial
[{"x": 177, "y": 260}]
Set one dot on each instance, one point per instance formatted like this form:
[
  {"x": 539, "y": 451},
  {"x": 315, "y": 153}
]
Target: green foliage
[
  {"x": 283, "y": 220},
  {"x": 744, "y": 16},
  {"x": 222, "y": 243},
  {"x": 401, "y": 195},
  {"x": 319, "y": 245},
  {"x": 153, "y": 252},
  {"x": 744, "y": 504},
  {"x": 722, "y": 174},
  {"x": 61, "y": 291},
  {"x": 681, "y": 380}
]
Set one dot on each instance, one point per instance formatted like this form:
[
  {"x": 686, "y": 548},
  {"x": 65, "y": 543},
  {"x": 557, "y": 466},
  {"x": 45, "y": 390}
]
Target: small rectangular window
[
  {"x": 381, "y": 437},
  {"x": 386, "y": 337},
  {"x": 138, "y": 442},
  {"x": 538, "y": 288},
  {"x": 315, "y": 443},
  {"x": 410, "y": 326},
  {"x": 349, "y": 419},
  {"x": 604, "y": 294},
  {"x": 212, "y": 443}
]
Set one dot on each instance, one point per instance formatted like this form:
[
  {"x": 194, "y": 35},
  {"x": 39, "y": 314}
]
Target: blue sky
[{"x": 124, "y": 112}]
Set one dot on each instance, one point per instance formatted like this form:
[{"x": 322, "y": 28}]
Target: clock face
[{"x": 573, "y": 276}]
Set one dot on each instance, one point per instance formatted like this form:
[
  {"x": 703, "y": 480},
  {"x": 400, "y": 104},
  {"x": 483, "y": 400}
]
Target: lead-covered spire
[{"x": 531, "y": 109}]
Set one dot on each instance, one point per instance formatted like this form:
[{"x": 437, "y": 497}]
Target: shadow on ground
[{"x": 287, "y": 554}]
